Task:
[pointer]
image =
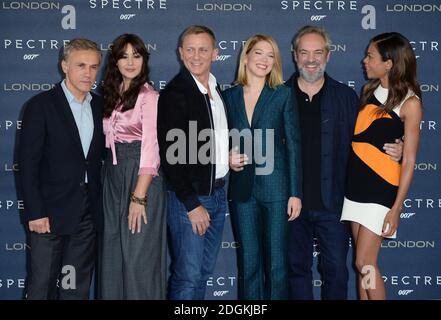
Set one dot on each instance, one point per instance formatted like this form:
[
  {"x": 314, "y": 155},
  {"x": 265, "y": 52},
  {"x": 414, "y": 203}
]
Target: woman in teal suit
[{"x": 265, "y": 181}]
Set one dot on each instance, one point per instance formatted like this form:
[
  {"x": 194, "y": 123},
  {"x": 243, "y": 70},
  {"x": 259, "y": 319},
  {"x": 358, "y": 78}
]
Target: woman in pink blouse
[{"x": 133, "y": 250}]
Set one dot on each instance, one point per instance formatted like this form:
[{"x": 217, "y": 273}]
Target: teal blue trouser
[{"x": 261, "y": 228}]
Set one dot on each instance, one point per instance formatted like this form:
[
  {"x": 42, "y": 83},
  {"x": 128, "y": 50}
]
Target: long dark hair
[
  {"x": 113, "y": 96},
  {"x": 402, "y": 75}
]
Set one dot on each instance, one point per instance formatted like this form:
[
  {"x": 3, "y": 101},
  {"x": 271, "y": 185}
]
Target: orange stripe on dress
[
  {"x": 378, "y": 161},
  {"x": 368, "y": 115}
]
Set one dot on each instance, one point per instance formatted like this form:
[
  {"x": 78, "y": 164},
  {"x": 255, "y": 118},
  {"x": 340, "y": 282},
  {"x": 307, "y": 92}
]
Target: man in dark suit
[{"x": 60, "y": 155}]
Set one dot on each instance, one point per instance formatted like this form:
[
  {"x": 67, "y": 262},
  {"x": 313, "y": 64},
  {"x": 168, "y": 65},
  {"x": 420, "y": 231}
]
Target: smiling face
[
  {"x": 197, "y": 54},
  {"x": 375, "y": 67},
  {"x": 130, "y": 64},
  {"x": 259, "y": 60},
  {"x": 81, "y": 68},
  {"x": 311, "y": 57}
]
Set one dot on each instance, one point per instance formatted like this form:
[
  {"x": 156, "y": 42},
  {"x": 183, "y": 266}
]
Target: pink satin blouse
[{"x": 137, "y": 124}]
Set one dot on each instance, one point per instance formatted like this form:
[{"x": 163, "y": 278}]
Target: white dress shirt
[{"x": 220, "y": 126}]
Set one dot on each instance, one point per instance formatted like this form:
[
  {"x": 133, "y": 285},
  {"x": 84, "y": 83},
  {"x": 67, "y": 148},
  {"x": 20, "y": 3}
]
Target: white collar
[
  {"x": 381, "y": 94},
  {"x": 212, "y": 82}
]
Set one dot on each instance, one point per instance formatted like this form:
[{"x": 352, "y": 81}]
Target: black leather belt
[{"x": 219, "y": 183}]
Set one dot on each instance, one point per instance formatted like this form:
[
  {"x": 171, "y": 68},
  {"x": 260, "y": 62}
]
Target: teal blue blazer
[{"x": 276, "y": 115}]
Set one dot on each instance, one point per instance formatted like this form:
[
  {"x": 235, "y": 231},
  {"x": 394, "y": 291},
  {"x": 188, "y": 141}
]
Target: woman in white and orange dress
[{"x": 377, "y": 185}]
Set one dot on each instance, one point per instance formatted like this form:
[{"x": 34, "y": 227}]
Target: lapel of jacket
[
  {"x": 219, "y": 92},
  {"x": 328, "y": 112},
  {"x": 67, "y": 114},
  {"x": 238, "y": 96},
  {"x": 266, "y": 93},
  {"x": 97, "y": 118}
]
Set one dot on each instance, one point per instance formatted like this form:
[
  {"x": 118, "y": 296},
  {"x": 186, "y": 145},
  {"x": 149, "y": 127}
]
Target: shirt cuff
[
  {"x": 145, "y": 171},
  {"x": 191, "y": 202}
]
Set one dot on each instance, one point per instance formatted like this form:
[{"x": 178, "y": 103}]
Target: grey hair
[
  {"x": 79, "y": 44},
  {"x": 312, "y": 29}
]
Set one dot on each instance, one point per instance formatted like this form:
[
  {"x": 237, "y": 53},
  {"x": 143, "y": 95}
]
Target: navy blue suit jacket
[
  {"x": 52, "y": 163},
  {"x": 339, "y": 109}
]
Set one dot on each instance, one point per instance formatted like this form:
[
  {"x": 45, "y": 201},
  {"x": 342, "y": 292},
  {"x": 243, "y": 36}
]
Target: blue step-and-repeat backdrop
[{"x": 32, "y": 33}]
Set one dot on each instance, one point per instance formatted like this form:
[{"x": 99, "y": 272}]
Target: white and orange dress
[{"x": 373, "y": 177}]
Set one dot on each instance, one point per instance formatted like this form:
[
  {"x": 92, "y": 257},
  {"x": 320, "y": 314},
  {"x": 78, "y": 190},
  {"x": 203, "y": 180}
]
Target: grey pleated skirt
[{"x": 131, "y": 266}]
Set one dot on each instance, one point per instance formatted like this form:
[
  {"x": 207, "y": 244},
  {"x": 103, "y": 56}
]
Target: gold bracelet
[{"x": 135, "y": 199}]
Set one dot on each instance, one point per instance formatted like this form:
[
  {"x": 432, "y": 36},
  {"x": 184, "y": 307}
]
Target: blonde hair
[{"x": 275, "y": 77}]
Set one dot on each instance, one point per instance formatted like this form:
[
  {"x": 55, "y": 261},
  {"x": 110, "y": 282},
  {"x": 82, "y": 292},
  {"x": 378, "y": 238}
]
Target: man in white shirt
[{"x": 191, "y": 107}]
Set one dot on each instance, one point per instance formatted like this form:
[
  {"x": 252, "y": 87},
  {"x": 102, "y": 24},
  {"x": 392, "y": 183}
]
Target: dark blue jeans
[
  {"x": 333, "y": 241},
  {"x": 193, "y": 256}
]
